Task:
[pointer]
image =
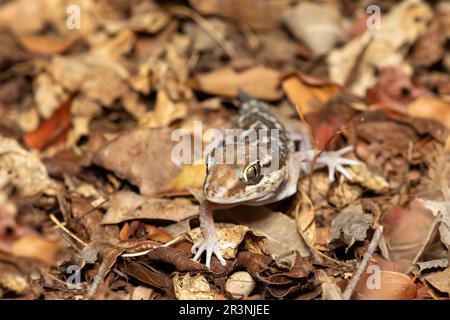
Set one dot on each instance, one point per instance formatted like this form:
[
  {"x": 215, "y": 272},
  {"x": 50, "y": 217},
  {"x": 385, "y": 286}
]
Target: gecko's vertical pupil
[{"x": 252, "y": 173}]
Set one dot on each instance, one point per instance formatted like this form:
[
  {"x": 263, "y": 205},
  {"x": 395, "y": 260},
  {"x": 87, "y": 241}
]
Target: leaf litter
[{"x": 87, "y": 179}]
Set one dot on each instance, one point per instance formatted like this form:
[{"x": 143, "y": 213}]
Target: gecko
[{"x": 264, "y": 168}]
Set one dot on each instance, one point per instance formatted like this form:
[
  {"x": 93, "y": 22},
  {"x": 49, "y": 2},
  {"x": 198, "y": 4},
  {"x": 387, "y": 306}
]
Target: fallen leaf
[
  {"x": 36, "y": 247},
  {"x": 51, "y": 131},
  {"x": 254, "y": 263},
  {"x": 190, "y": 177},
  {"x": 143, "y": 146},
  {"x": 12, "y": 279},
  {"x": 431, "y": 108},
  {"x": 355, "y": 64},
  {"x": 46, "y": 45},
  {"x": 256, "y": 14},
  {"x": 258, "y": 82},
  {"x": 392, "y": 286},
  {"x": 318, "y": 25},
  {"x": 176, "y": 257},
  {"x": 149, "y": 276},
  {"x": 351, "y": 224},
  {"x": 194, "y": 287},
  {"x": 395, "y": 90},
  {"x": 22, "y": 169},
  {"x": 309, "y": 97},
  {"x": 127, "y": 205},
  {"x": 280, "y": 230},
  {"x": 440, "y": 280}
]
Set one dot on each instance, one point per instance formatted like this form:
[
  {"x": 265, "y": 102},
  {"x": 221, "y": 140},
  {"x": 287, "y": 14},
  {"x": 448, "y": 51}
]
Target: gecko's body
[{"x": 265, "y": 169}]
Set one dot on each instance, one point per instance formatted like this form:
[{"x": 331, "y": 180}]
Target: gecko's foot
[
  {"x": 210, "y": 247},
  {"x": 335, "y": 162}
]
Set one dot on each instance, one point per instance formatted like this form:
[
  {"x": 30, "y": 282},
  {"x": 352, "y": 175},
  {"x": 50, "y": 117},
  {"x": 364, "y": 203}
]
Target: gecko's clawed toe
[
  {"x": 335, "y": 162},
  {"x": 210, "y": 247}
]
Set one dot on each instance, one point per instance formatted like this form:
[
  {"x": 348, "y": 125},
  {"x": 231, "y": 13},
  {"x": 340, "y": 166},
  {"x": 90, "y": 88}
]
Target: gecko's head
[{"x": 244, "y": 179}]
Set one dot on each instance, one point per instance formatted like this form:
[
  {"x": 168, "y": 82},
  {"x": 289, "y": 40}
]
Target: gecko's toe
[{"x": 210, "y": 247}]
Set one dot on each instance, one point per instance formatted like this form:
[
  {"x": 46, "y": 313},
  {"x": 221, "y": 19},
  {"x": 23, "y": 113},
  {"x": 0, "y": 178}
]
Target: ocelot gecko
[{"x": 255, "y": 182}]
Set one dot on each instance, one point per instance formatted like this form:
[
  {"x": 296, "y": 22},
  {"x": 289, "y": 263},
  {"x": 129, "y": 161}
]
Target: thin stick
[
  {"x": 363, "y": 265},
  {"x": 208, "y": 27},
  {"x": 61, "y": 226}
]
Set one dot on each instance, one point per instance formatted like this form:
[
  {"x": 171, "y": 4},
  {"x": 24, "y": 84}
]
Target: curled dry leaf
[
  {"x": 46, "y": 45},
  {"x": 234, "y": 236},
  {"x": 385, "y": 285},
  {"x": 22, "y": 169},
  {"x": 351, "y": 224},
  {"x": 127, "y": 205},
  {"x": 149, "y": 276},
  {"x": 176, "y": 257},
  {"x": 51, "y": 131},
  {"x": 258, "y": 82},
  {"x": 254, "y": 263},
  {"x": 240, "y": 284},
  {"x": 143, "y": 146},
  {"x": 194, "y": 287}
]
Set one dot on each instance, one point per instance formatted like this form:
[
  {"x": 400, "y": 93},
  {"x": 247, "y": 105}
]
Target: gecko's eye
[{"x": 252, "y": 173}]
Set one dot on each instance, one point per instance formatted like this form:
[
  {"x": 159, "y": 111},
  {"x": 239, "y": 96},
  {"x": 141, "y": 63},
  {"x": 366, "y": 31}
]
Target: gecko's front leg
[{"x": 210, "y": 244}]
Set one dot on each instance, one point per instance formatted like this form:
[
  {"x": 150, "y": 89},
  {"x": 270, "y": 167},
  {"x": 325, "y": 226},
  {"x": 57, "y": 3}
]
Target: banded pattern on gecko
[{"x": 268, "y": 177}]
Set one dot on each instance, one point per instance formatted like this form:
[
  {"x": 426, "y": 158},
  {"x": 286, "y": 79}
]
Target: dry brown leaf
[
  {"x": 406, "y": 230},
  {"x": 190, "y": 177},
  {"x": 127, "y": 205},
  {"x": 166, "y": 112},
  {"x": 393, "y": 286},
  {"x": 143, "y": 146},
  {"x": 12, "y": 279},
  {"x": 355, "y": 64},
  {"x": 281, "y": 230},
  {"x": 309, "y": 97},
  {"x": 46, "y": 45},
  {"x": 351, "y": 224},
  {"x": 176, "y": 257},
  {"x": 440, "y": 280},
  {"x": 23, "y": 17},
  {"x": 319, "y": 25},
  {"x": 257, "y": 14},
  {"x": 22, "y": 169},
  {"x": 305, "y": 218},
  {"x": 431, "y": 108},
  {"x": 258, "y": 82},
  {"x": 194, "y": 287},
  {"x": 36, "y": 247}
]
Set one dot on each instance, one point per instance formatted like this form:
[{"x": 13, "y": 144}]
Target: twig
[
  {"x": 362, "y": 266},
  {"x": 61, "y": 226},
  {"x": 425, "y": 243},
  {"x": 208, "y": 27}
]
